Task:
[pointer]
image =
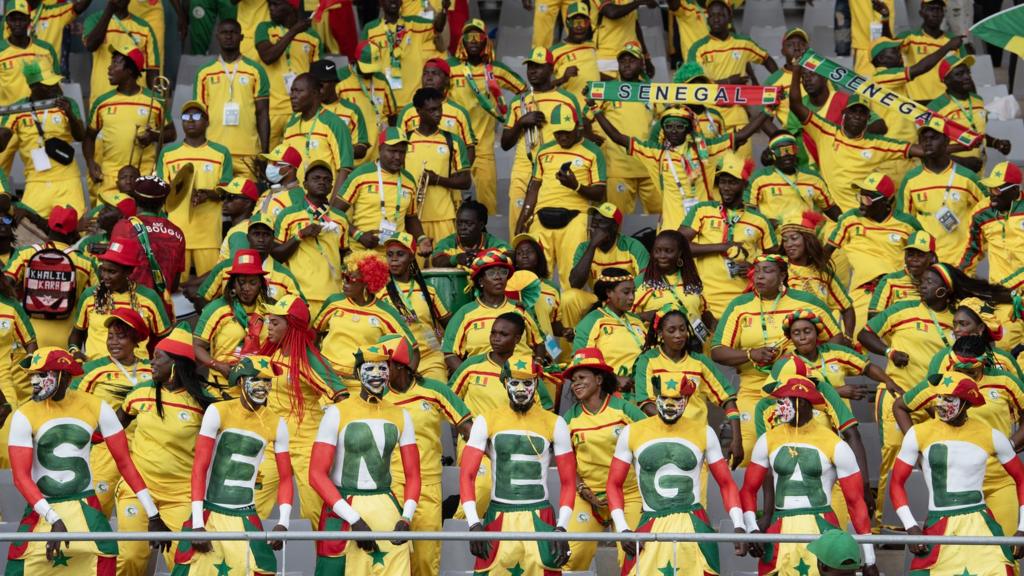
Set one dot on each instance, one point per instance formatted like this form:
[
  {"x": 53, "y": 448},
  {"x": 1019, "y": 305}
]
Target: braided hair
[{"x": 421, "y": 282}]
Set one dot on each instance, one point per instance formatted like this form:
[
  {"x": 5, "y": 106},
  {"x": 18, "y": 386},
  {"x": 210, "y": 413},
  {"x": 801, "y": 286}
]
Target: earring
[
  {"x": 943, "y": 294},
  {"x": 679, "y": 263}
]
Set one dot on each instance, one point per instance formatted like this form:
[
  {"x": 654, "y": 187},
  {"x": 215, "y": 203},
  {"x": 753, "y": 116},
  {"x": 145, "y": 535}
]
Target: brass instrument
[
  {"x": 161, "y": 88},
  {"x": 531, "y": 136},
  {"x": 421, "y": 188},
  {"x": 30, "y": 106}
]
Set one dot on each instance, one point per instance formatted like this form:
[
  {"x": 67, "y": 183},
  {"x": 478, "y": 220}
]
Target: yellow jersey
[
  {"x": 132, "y": 30},
  {"x": 13, "y": 86},
  {"x": 969, "y": 113},
  {"x": 632, "y": 119},
  {"x": 826, "y": 287},
  {"x": 55, "y": 124},
  {"x": 621, "y": 338},
  {"x": 477, "y": 382},
  {"x": 876, "y": 247},
  {"x": 933, "y": 197},
  {"x": 48, "y": 21},
  {"x": 308, "y": 262},
  {"x": 711, "y": 386},
  {"x": 370, "y": 205},
  {"x": 470, "y": 88},
  {"x": 916, "y": 45},
  {"x": 998, "y": 235},
  {"x": 90, "y": 317},
  {"x": 375, "y": 100},
  {"x": 324, "y": 137},
  {"x": 778, "y": 195},
  {"x": 585, "y": 162},
  {"x": 594, "y": 436},
  {"x": 303, "y": 50},
  {"x": 892, "y": 288},
  {"x": 119, "y": 119},
  {"x": 917, "y": 330},
  {"x": 212, "y": 167},
  {"x": 469, "y": 330},
  {"x": 429, "y": 403},
  {"x": 220, "y": 85},
  {"x": 627, "y": 253},
  {"x": 584, "y": 57},
  {"x": 454, "y": 120},
  {"x": 444, "y": 154},
  {"x": 346, "y": 326},
  {"x": 111, "y": 381},
  {"x": 404, "y": 46}
]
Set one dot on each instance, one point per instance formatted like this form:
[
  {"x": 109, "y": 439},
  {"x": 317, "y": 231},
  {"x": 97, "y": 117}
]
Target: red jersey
[{"x": 167, "y": 242}]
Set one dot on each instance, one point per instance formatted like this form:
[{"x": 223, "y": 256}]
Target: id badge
[
  {"x": 876, "y": 30},
  {"x": 387, "y": 230},
  {"x": 40, "y": 161},
  {"x": 232, "y": 114},
  {"x": 289, "y": 77},
  {"x": 688, "y": 204},
  {"x": 948, "y": 220},
  {"x": 700, "y": 330},
  {"x": 427, "y": 14},
  {"x": 395, "y": 81},
  {"x": 551, "y": 345}
]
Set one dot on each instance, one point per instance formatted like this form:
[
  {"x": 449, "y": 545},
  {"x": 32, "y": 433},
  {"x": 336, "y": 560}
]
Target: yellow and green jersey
[
  {"x": 223, "y": 326},
  {"x": 594, "y": 436},
  {"x": 323, "y": 137},
  {"x": 916, "y": 46},
  {"x": 998, "y": 235},
  {"x": 917, "y": 330},
  {"x": 346, "y": 326},
  {"x": 942, "y": 203},
  {"x": 428, "y": 403},
  {"x": 444, "y": 154},
  {"x": 712, "y": 387},
  {"x": 778, "y": 195},
  {"x": 478, "y": 383},
  {"x": 834, "y": 364},
  {"x": 90, "y": 316},
  {"x": 280, "y": 280},
  {"x": 241, "y": 83},
  {"x": 969, "y": 113},
  {"x": 471, "y": 88},
  {"x": 586, "y": 162},
  {"x": 212, "y": 167},
  {"x": 316, "y": 264},
  {"x": 876, "y": 247},
  {"x": 132, "y": 31},
  {"x": 627, "y": 253},
  {"x": 303, "y": 49},
  {"x": 454, "y": 120},
  {"x": 119, "y": 119},
  {"x": 110, "y": 381},
  {"x": 370, "y": 206},
  {"x": 469, "y": 330},
  {"x": 13, "y": 85},
  {"x": 621, "y": 338},
  {"x": 892, "y": 288}
]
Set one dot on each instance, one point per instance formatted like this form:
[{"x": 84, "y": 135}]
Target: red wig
[{"x": 371, "y": 267}]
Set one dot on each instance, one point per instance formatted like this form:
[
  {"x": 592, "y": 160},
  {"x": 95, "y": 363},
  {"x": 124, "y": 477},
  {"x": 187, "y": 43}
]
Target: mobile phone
[{"x": 566, "y": 166}]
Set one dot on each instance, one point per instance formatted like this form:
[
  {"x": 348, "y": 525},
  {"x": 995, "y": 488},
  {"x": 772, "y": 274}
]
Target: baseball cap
[
  {"x": 878, "y": 183},
  {"x": 19, "y": 6},
  {"x": 689, "y": 72},
  {"x": 524, "y": 237},
  {"x": 284, "y": 154},
  {"x": 921, "y": 240},
  {"x": 129, "y": 318},
  {"x": 854, "y": 100},
  {"x": 577, "y": 9},
  {"x": 474, "y": 24},
  {"x": 369, "y": 60},
  {"x": 35, "y": 73},
  {"x": 958, "y": 385},
  {"x": 52, "y": 358},
  {"x": 561, "y": 119},
  {"x": 947, "y": 64},
  {"x": 734, "y": 166},
  {"x": 241, "y": 186},
  {"x": 608, "y": 210},
  {"x": 1004, "y": 173},
  {"x": 403, "y": 239},
  {"x": 247, "y": 262},
  {"x": 796, "y": 31},
  {"x": 633, "y": 48},
  {"x": 439, "y": 64},
  {"x": 195, "y": 104},
  {"x": 837, "y": 549},
  {"x": 178, "y": 343},
  {"x": 324, "y": 70},
  {"x": 131, "y": 52},
  {"x": 393, "y": 136},
  {"x": 881, "y": 44},
  {"x": 540, "y": 55},
  {"x": 63, "y": 219},
  {"x": 123, "y": 253}
]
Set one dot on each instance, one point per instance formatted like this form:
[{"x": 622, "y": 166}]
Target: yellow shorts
[
  {"x": 381, "y": 512},
  {"x": 227, "y": 558},
  {"x": 511, "y": 558},
  {"x": 980, "y": 560},
  {"x": 81, "y": 514},
  {"x": 43, "y": 195},
  {"x": 786, "y": 558},
  {"x": 681, "y": 558}
]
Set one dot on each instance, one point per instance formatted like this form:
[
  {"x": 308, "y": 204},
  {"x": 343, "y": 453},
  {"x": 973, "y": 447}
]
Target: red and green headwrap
[
  {"x": 803, "y": 314},
  {"x": 943, "y": 270},
  {"x": 776, "y": 258},
  {"x": 488, "y": 259}
]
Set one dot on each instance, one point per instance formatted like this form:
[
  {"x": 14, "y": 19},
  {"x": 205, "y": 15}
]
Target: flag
[
  {"x": 597, "y": 90},
  {"x": 1005, "y": 29},
  {"x": 689, "y": 93}
]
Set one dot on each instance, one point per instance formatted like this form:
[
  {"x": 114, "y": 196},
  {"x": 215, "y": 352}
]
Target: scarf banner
[
  {"x": 665, "y": 93},
  {"x": 850, "y": 81}
]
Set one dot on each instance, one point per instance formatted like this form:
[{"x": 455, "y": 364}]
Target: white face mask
[
  {"x": 521, "y": 392},
  {"x": 785, "y": 411},
  {"x": 948, "y": 407},
  {"x": 374, "y": 376},
  {"x": 256, "y": 390},
  {"x": 273, "y": 173},
  {"x": 44, "y": 384},
  {"x": 671, "y": 409}
]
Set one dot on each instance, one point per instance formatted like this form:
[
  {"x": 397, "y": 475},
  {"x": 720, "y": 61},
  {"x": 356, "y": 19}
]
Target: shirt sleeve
[{"x": 622, "y": 451}]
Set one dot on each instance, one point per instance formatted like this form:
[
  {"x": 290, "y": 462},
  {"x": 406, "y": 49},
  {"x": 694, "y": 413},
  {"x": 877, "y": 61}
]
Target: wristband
[
  {"x": 357, "y": 235},
  {"x": 577, "y": 188},
  {"x": 888, "y": 352},
  {"x": 422, "y": 237},
  {"x": 51, "y": 516}
]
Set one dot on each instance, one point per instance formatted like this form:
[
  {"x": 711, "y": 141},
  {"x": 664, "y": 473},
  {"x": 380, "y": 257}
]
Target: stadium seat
[
  {"x": 455, "y": 555},
  {"x": 515, "y": 42},
  {"x": 1012, "y": 130},
  {"x": 73, "y": 91},
  {"x": 79, "y": 70},
  {"x": 762, "y": 13},
  {"x": 869, "y": 436},
  {"x": 513, "y": 15},
  {"x": 989, "y": 93},
  {"x": 821, "y": 13},
  {"x": 982, "y": 72},
  {"x": 182, "y": 94},
  {"x": 189, "y": 65},
  {"x": 823, "y": 41}
]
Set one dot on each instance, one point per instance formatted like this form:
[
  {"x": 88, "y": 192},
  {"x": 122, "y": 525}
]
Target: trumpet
[
  {"x": 531, "y": 137},
  {"x": 421, "y": 188},
  {"x": 161, "y": 88}
]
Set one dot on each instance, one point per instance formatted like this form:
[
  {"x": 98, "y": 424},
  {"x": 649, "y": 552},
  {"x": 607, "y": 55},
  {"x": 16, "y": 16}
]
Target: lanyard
[
  {"x": 728, "y": 222},
  {"x": 764, "y": 323},
  {"x": 231, "y": 77},
  {"x": 133, "y": 378},
  {"x": 319, "y": 216},
  {"x": 406, "y": 296},
  {"x": 935, "y": 322},
  {"x": 370, "y": 96},
  {"x": 380, "y": 192},
  {"x": 968, "y": 113},
  {"x": 40, "y": 125},
  {"x": 312, "y": 126},
  {"x": 949, "y": 184},
  {"x": 821, "y": 363},
  {"x": 786, "y": 179}
]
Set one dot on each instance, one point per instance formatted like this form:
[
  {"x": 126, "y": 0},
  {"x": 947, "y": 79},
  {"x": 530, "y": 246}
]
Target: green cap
[
  {"x": 393, "y": 136},
  {"x": 561, "y": 119},
  {"x": 855, "y": 101},
  {"x": 688, "y": 73},
  {"x": 577, "y": 9},
  {"x": 883, "y": 43},
  {"x": 35, "y": 74},
  {"x": 837, "y": 549}
]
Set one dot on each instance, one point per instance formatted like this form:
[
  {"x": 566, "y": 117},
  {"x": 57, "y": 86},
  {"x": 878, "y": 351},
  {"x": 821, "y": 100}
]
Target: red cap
[
  {"x": 247, "y": 262},
  {"x": 285, "y": 154},
  {"x": 799, "y": 387},
  {"x": 127, "y": 207},
  {"x": 440, "y": 64},
  {"x": 52, "y": 358},
  {"x": 120, "y": 252},
  {"x": 63, "y": 219},
  {"x": 132, "y": 318},
  {"x": 294, "y": 3},
  {"x": 878, "y": 182},
  {"x": 398, "y": 348}
]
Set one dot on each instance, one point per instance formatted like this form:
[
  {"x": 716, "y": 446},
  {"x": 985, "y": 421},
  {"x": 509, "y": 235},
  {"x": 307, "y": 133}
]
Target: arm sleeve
[
  {"x": 205, "y": 443},
  {"x": 21, "y": 452},
  {"x": 616, "y": 478},
  {"x": 565, "y": 459},
  {"x": 285, "y": 490},
  {"x": 472, "y": 456},
  {"x": 410, "y": 466},
  {"x": 902, "y": 467},
  {"x": 720, "y": 470},
  {"x": 757, "y": 471},
  {"x": 852, "y": 485},
  {"x": 320, "y": 462}
]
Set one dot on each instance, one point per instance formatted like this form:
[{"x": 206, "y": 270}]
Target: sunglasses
[
  {"x": 192, "y": 116},
  {"x": 496, "y": 273},
  {"x": 785, "y": 150},
  {"x": 474, "y": 36}
]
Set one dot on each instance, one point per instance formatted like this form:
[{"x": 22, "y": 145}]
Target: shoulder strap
[{"x": 159, "y": 283}]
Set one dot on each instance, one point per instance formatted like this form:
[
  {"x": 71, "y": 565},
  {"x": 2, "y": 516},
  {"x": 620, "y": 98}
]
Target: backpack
[{"x": 51, "y": 285}]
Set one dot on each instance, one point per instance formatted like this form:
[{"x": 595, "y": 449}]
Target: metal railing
[{"x": 724, "y": 538}]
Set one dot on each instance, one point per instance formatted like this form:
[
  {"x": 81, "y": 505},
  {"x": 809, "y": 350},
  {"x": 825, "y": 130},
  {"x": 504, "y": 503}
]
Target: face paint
[
  {"x": 374, "y": 376},
  {"x": 785, "y": 411},
  {"x": 256, "y": 390},
  {"x": 947, "y": 407},
  {"x": 671, "y": 409},
  {"x": 520, "y": 393},
  {"x": 44, "y": 384}
]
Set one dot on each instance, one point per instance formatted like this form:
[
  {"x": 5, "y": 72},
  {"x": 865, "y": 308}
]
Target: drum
[{"x": 450, "y": 284}]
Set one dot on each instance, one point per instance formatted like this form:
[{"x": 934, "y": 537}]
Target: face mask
[
  {"x": 374, "y": 376},
  {"x": 785, "y": 412},
  {"x": 671, "y": 409},
  {"x": 947, "y": 407},
  {"x": 520, "y": 393},
  {"x": 256, "y": 390},
  {"x": 273, "y": 173},
  {"x": 44, "y": 384}
]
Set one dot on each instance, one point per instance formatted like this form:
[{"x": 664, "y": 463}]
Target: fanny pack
[{"x": 556, "y": 218}]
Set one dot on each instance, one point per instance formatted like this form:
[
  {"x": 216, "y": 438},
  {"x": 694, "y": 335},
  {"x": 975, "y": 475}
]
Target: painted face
[
  {"x": 521, "y": 392},
  {"x": 44, "y": 384},
  {"x": 671, "y": 409},
  {"x": 374, "y": 376},
  {"x": 785, "y": 410},
  {"x": 256, "y": 390},
  {"x": 948, "y": 407}
]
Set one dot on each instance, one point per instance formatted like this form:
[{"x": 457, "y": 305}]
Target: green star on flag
[
  {"x": 378, "y": 557},
  {"x": 802, "y": 568},
  {"x": 947, "y": 380},
  {"x": 521, "y": 364},
  {"x": 223, "y": 569},
  {"x": 516, "y": 570},
  {"x": 60, "y": 559},
  {"x": 672, "y": 384},
  {"x": 264, "y": 363},
  {"x": 667, "y": 570},
  {"x": 966, "y": 573}
]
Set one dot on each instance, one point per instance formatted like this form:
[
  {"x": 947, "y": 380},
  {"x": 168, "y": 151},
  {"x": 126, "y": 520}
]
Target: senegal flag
[{"x": 1005, "y": 29}]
